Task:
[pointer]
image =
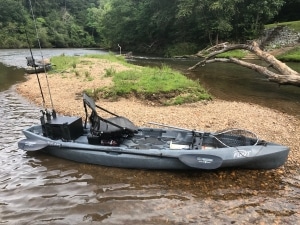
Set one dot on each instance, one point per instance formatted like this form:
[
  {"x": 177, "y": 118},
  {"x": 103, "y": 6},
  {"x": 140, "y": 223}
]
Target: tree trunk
[{"x": 284, "y": 75}]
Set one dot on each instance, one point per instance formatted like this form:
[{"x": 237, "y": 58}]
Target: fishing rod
[
  {"x": 33, "y": 64},
  {"x": 43, "y": 63}
]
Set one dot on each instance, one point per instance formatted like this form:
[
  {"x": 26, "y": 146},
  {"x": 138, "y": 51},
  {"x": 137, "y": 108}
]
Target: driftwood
[{"x": 283, "y": 74}]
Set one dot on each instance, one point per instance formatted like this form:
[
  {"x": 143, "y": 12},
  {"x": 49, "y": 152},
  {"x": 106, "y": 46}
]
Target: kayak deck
[{"x": 157, "y": 138}]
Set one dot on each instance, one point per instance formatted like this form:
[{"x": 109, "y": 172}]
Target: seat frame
[
  {"x": 95, "y": 120},
  {"x": 31, "y": 61}
]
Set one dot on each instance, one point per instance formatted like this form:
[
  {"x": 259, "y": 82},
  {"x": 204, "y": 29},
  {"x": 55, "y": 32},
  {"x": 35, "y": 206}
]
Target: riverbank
[{"x": 67, "y": 88}]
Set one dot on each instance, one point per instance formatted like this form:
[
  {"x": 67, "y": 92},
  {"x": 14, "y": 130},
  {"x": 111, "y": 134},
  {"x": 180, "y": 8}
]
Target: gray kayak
[
  {"x": 38, "y": 69},
  {"x": 117, "y": 142}
]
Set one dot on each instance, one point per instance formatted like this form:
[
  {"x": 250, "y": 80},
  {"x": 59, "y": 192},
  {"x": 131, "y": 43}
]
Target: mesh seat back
[
  {"x": 31, "y": 61},
  {"x": 113, "y": 127}
]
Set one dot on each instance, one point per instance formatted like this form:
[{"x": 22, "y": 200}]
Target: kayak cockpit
[
  {"x": 103, "y": 130},
  {"x": 120, "y": 131}
]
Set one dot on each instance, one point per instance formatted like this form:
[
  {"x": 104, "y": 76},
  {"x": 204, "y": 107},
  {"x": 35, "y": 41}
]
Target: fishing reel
[{"x": 47, "y": 115}]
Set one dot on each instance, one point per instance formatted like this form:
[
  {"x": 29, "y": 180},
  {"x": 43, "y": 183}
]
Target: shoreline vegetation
[
  {"x": 159, "y": 85},
  {"x": 98, "y": 75}
]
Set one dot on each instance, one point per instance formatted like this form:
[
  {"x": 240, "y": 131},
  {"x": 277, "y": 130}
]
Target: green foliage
[
  {"x": 88, "y": 76},
  {"x": 295, "y": 25},
  {"x": 292, "y": 56},
  {"x": 110, "y": 72},
  {"x": 62, "y": 63},
  {"x": 163, "y": 85},
  {"x": 146, "y": 25},
  {"x": 184, "y": 48},
  {"x": 11, "y": 11},
  {"x": 74, "y": 64},
  {"x": 59, "y": 24},
  {"x": 234, "y": 53},
  {"x": 110, "y": 57},
  {"x": 288, "y": 12},
  {"x": 159, "y": 26}
]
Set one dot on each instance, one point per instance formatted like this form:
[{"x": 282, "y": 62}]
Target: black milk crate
[{"x": 63, "y": 127}]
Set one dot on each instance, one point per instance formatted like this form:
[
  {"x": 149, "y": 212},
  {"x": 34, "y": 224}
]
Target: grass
[
  {"x": 88, "y": 76},
  {"x": 234, "y": 53},
  {"x": 295, "y": 25},
  {"x": 161, "y": 85},
  {"x": 294, "y": 54},
  {"x": 64, "y": 62},
  {"x": 110, "y": 57},
  {"x": 290, "y": 56},
  {"x": 109, "y": 72}
]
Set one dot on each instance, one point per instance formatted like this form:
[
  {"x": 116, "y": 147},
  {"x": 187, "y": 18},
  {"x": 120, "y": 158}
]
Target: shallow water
[
  {"x": 40, "y": 189},
  {"x": 10, "y": 75},
  {"x": 16, "y": 57}
]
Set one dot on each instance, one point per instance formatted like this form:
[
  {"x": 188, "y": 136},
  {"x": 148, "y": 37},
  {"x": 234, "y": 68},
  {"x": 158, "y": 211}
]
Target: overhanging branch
[{"x": 284, "y": 76}]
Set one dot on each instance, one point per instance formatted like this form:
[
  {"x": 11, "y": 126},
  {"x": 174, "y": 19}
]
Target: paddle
[
  {"x": 199, "y": 161},
  {"x": 32, "y": 145}
]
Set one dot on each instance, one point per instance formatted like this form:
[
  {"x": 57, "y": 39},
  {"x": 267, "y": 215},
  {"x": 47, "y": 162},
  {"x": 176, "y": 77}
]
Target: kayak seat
[
  {"x": 31, "y": 61},
  {"x": 106, "y": 128}
]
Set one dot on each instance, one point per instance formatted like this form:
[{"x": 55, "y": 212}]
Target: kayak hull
[{"x": 263, "y": 156}]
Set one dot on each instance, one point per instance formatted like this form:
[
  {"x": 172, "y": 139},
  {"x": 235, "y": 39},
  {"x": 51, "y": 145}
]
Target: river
[
  {"x": 234, "y": 83},
  {"x": 40, "y": 189}
]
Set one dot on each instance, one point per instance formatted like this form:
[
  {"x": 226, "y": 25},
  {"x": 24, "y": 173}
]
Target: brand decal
[
  {"x": 30, "y": 143},
  {"x": 51, "y": 143},
  {"x": 241, "y": 153},
  {"x": 204, "y": 160}
]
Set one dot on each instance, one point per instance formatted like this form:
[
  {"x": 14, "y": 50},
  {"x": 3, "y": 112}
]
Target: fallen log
[{"x": 283, "y": 74}]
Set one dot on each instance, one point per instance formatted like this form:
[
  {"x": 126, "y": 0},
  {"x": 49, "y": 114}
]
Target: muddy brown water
[{"x": 36, "y": 188}]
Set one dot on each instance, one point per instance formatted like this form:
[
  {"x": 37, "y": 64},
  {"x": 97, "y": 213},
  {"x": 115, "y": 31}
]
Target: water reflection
[
  {"x": 235, "y": 83},
  {"x": 45, "y": 188},
  {"x": 10, "y": 76}
]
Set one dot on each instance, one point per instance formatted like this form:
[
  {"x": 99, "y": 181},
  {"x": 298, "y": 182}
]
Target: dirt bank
[{"x": 66, "y": 90}]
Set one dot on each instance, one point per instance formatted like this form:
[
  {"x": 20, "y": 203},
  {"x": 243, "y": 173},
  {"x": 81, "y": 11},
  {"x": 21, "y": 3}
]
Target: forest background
[{"x": 149, "y": 26}]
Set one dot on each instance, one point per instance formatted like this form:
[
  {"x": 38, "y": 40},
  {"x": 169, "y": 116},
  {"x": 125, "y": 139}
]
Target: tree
[
  {"x": 9, "y": 14},
  {"x": 144, "y": 25},
  {"x": 251, "y": 15},
  {"x": 140, "y": 25},
  {"x": 283, "y": 74},
  {"x": 289, "y": 12},
  {"x": 213, "y": 17}
]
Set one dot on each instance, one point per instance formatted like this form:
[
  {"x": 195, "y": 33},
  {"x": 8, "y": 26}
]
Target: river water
[
  {"x": 235, "y": 83},
  {"x": 40, "y": 189}
]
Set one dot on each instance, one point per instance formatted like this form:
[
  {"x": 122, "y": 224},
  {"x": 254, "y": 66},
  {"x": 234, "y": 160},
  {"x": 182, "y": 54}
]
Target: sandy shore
[{"x": 67, "y": 88}]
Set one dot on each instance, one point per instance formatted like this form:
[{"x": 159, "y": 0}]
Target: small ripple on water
[{"x": 40, "y": 189}]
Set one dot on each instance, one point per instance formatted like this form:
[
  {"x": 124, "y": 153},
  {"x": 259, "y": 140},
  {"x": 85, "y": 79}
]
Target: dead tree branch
[{"x": 284, "y": 75}]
